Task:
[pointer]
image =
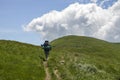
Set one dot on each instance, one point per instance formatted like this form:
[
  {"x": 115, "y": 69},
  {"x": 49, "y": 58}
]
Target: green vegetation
[
  {"x": 71, "y": 58},
  {"x": 84, "y": 58},
  {"x": 20, "y": 61}
]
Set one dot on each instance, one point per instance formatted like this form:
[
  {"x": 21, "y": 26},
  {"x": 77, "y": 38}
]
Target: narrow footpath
[{"x": 48, "y": 77}]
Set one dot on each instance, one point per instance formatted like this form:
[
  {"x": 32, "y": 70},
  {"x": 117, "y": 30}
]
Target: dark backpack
[{"x": 46, "y": 47}]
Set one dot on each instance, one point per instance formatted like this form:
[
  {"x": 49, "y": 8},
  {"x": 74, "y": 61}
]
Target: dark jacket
[{"x": 46, "y": 47}]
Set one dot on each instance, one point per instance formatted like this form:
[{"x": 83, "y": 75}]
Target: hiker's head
[{"x": 46, "y": 42}]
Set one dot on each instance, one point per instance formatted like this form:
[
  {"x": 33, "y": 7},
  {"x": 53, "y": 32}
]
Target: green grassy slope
[
  {"x": 84, "y": 58},
  {"x": 20, "y": 61},
  {"x": 71, "y": 58}
]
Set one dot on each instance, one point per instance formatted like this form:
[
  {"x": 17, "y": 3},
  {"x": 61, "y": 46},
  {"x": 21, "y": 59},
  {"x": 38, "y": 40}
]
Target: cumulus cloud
[{"x": 79, "y": 19}]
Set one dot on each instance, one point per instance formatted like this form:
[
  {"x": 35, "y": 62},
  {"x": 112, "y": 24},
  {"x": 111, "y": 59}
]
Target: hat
[{"x": 46, "y": 41}]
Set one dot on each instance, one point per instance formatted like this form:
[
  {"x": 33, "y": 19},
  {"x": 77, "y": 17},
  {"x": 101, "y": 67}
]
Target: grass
[
  {"x": 85, "y": 58},
  {"x": 20, "y": 61},
  {"x": 74, "y": 58}
]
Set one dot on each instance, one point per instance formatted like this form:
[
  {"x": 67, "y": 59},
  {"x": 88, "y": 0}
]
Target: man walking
[{"x": 47, "y": 47}]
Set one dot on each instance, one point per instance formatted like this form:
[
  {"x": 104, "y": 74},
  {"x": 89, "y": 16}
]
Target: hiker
[{"x": 47, "y": 47}]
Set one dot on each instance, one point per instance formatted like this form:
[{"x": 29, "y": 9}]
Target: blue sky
[{"x": 16, "y": 13}]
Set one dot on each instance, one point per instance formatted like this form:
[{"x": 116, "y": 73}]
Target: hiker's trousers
[{"x": 46, "y": 54}]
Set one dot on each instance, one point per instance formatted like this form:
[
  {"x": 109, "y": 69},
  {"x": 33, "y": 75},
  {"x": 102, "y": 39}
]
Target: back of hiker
[{"x": 47, "y": 47}]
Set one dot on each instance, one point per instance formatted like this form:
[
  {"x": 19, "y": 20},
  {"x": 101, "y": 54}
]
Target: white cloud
[{"x": 79, "y": 19}]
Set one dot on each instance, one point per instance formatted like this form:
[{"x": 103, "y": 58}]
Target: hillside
[
  {"x": 71, "y": 58},
  {"x": 19, "y": 61},
  {"x": 84, "y": 58}
]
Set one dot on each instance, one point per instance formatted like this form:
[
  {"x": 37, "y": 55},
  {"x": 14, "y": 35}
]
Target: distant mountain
[{"x": 71, "y": 58}]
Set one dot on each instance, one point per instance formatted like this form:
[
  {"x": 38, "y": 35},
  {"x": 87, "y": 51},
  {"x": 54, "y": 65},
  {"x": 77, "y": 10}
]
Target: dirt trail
[
  {"x": 56, "y": 74},
  {"x": 48, "y": 77}
]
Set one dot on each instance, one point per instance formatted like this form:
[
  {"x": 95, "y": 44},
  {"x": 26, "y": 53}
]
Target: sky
[{"x": 33, "y": 21}]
